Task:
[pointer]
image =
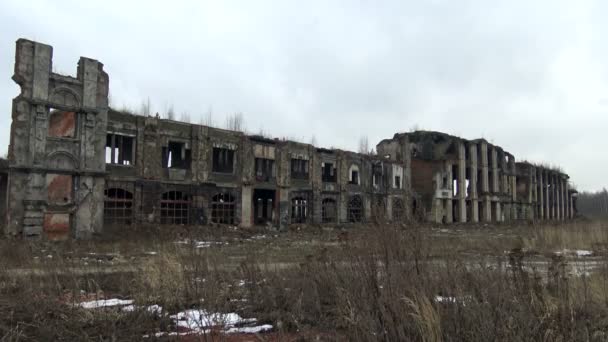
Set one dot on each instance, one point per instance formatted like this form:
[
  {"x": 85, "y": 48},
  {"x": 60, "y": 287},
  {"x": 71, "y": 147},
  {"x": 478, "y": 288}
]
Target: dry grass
[{"x": 376, "y": 283}]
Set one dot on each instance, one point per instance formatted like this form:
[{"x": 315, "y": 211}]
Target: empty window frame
[
  {"x": 328, "y": 172},
  {"x": 264, "y": 169},
  {"x": 174, "y": 208},
  {"x": 354, "y": 177},
  {"x": 299, "y": 210},
  {"x": 329, "y": 210},
  {"x": 355, "y": 209},
  {"x": 398, "y": 209},
  {"x": 118, "y": 206},
  {"x": 223, "y": 208},
  {"x": 223, "y": 160},
  {"x": 120, "y": 149},
  {"x": 176, "y": 155},
  {"x": 299, "y": 168},
  {"x": 397, "y": 183},
  {"x": 62, "y": 124}
]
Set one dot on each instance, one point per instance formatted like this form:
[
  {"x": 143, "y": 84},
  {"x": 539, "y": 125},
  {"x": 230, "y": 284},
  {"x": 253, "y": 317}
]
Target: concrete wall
[{"x": 57, "y": 139}]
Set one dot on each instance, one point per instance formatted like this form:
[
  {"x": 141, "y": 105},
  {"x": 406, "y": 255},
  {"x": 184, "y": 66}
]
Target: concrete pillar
[
  {"x": 553, "y": 197},
  {"x": 567, "y": 199},
  {"x": 246, "y": 202},
  {"x": 462, "y": 184},
  {"x": 560, "y": 213},
  {"x": 541, "y": 195},
  {"x": 450, "y": 180},
  {"x": 571, "y": 206},
  {"x": 495, "y": 174},
  {"x": 473, "y": 190},
  {"x": 547, "y": 182},
  {"x": 513, "y": 189},
  {"x": 486, "y": 214},
  {"x": 498, "y": 212}
]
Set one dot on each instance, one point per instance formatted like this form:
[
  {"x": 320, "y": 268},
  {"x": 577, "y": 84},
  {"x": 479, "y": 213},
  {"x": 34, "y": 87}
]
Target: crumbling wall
[{"x": 56, "y": 166}]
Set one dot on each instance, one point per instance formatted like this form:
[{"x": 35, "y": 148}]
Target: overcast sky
[{"x": 530, "y": 76}]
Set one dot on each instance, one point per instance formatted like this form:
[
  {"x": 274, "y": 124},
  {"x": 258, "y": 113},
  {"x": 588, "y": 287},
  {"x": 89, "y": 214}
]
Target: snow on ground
[
  {"x": 200, "y": 244},
  {"x": 156, "y": 309},
  {"x": 250, "y": 330},
  {"x": 577, "y": 252},
  {"x": 103, "y": 303},
  {"x": 200, "y": 319},
  {"x": 195, "y": 321}
]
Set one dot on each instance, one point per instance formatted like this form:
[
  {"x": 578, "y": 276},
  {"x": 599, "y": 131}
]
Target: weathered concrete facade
[
  {"x": 56, "y": 170},
  {"x": 459, "y": 180},
  {"x": 75, "y": 166}
]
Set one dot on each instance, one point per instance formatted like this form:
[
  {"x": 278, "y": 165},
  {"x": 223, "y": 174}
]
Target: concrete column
[
  {"x": 473, "y": 190},
  {"x": 547, "y": 181},
  {"x": 553, "y": 197},
  {"x": 498, "y": 212},
  {"x": 246, "y": 202},
  {"x": 450, "y": 180},
  {"x": 462, "y": 184},
  {"x": 567, "y": 199},
  {"x": 558, "y": 196},
  {"x": 495, "y": 175},
  {"x": 541, "y": 196},
  {"x": 486, "y": 214},
  {"x": 571, "y": 206}
]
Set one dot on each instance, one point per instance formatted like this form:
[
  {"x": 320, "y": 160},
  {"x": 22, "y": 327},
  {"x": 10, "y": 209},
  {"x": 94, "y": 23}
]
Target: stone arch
[
  {"x": 66, "y": 97},
  {"x": 355, "y": 208},
  {"x": 62, "y": 160},
  {"x": 354, "y": 174}
]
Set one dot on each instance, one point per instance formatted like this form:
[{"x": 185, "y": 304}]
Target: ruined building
[{"x": 76, "y": 166}]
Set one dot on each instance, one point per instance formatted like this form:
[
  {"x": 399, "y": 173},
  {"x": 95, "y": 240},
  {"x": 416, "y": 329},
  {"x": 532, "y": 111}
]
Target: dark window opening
[
  {"x": 264, "y": 169},
  {"x": 263, "y": 205},
  {"x": 118, "y": 206},
  {"x": 223, "y": 160},
  {"x": 354, "y": 177},
  {"x": 176, "y": 156},
  {"x": 223, "y": 208},
  {"x": 329, "y": 210},
  {"x": 398, "y": 209},
  {"x": 398, "y": 182},
  {"x": 328, "y": 172},
  {"x": 299, "y": 210},
  {"x": 355, "y": 209},
  {"x": 174, "y": 208},
  {"x": 62, "y": 124},
  {"x": 376, "y": 179},
  {"x": 120, "y": 149},
  {"x": 299, "y": 169}
]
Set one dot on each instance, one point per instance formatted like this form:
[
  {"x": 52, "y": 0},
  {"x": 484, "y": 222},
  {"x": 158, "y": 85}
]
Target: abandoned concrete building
[{"x": 75, "y": 165}]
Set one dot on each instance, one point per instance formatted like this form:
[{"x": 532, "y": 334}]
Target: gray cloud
[{"x": 528, "y": 76}]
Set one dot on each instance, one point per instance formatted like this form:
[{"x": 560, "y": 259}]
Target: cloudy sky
[{"x": 530, "y": 76}]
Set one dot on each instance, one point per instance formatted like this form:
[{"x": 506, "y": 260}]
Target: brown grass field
[{"x": 544, "y": 282}]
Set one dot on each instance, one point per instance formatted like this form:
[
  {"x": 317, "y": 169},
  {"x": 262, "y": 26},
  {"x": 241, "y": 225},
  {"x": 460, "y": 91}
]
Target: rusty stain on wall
[
  {"x": 62, "y": 124},
  {"x": 59, "y": 188},
  {"x": 56, "y": 225}
]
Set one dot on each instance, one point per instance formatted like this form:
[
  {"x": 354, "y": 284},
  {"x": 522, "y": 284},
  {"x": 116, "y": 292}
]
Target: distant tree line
[{"x": 593, "y": 204}]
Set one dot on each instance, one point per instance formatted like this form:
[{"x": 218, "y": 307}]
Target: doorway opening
[{"x": 263, "y": 205}]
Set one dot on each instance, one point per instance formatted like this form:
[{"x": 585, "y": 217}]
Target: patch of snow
[
  {"x": 200, "y": 244},
  {"x": 250, "y": 330},
  {"x": 200, "y": 319},
  {"x": 156, "y": 309},
  {"x": 102, "y": 303},
  {"x": 582, "y": 253},
  {"x": 442, "y": 299},
  {"x": 578, "y": 252},
  {"x": 151, "y": 253}
]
